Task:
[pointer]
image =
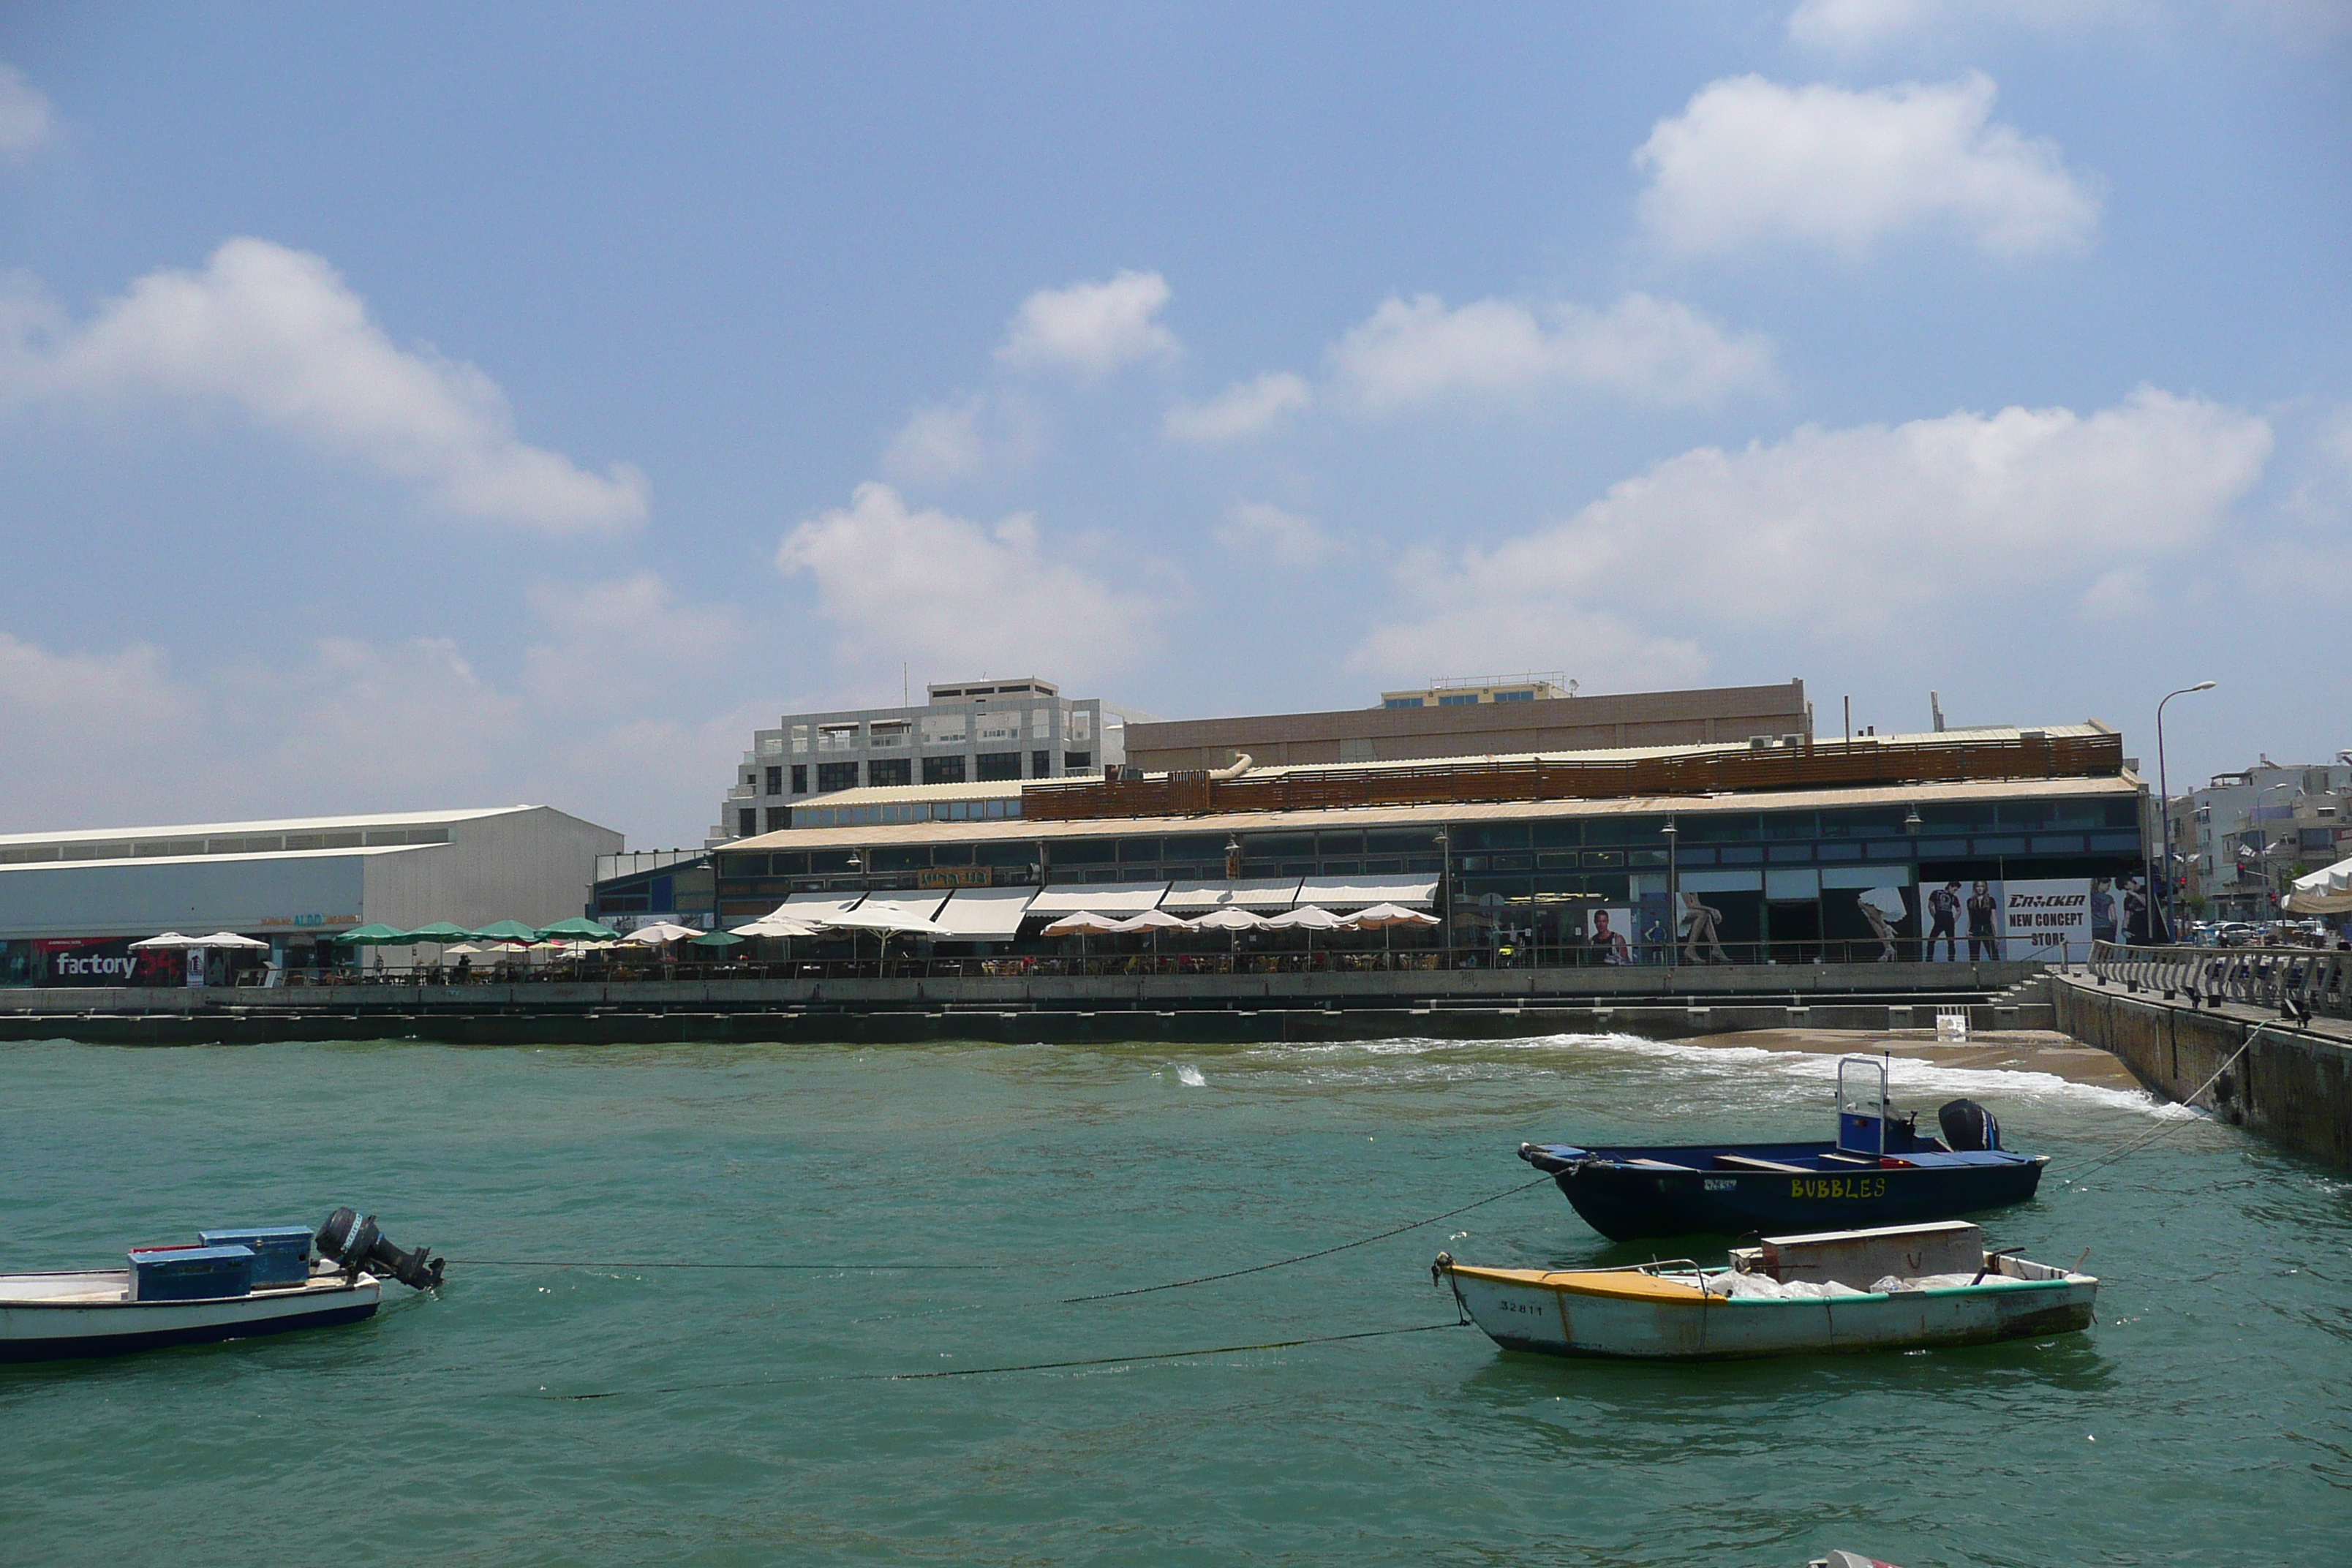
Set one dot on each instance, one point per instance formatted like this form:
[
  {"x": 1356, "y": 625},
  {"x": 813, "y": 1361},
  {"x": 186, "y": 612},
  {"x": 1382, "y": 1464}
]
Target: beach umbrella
[
  {"x": 580, "y": 928},
  {"x": 717, "y": 939},
  {"x": 1308, "y": 918},
  {"x": 1385, "y": 918},
  {"x": 1081, "y": 923},
  {"x": 1228, "y": 919},
  {"x": 230, "y": 938},
  {"x": 463, "y": 950},
  {"x": 1153, "y": 921},
  {"x": 658, "y": 933},
  {"x": 374, "y": 934},
  {"x": 775, "y": 926},
  {"x": 169, "y": 939},
  {"x": 508, "y": 930},
  {"x": 440, "y": 931}
]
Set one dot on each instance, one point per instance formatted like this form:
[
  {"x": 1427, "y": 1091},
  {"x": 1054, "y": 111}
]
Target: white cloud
[
  {"x": 620, "y": 641},
  {"x": 1647, "y": 349},
  {"x": 925, "y": 585},
  {"x": 1752, "y": 160},
  {"x": 1088, "y": 330},
  {"x": 1246, "y": 408},
  {"x": 277, "y": 335},
  {"x": 964, "y": 438},
  {"x": 1854, "y": 533},
  {"x": 25, "y": 121},
  {"x": 1855, "y": 26},
  {"x": 1258, "y": 530}
]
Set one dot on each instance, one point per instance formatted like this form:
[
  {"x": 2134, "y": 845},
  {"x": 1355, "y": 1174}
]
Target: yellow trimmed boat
[{"x": 1897, "y": 1287}]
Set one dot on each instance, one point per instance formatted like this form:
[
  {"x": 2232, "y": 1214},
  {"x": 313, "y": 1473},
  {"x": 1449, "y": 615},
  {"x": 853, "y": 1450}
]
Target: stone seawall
[
  {"x": 1465, "y": 1003},
  {"x": 2293, "y": 1086}
]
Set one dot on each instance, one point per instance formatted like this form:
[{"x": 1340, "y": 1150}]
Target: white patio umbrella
[
  {"x": 1308, "y": 918},
  {"x": 1386, "y": 918},
  {"x": 169, "y": 939},
  {"x": 660, "y": 932},
  {"x": 228, "y": 939},
  {"x": 1229, "y": 918},
  {"x": 1153, "y": 921},
  {"x": 1081, "y": 923},
  {"x": 774, "y": 925},
  {"x": 2327, "y": 891}
]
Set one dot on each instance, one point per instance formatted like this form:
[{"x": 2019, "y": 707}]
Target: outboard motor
[
  {"x": 353, "y": 1240},
  {"x": 1968, "y": 1127}
]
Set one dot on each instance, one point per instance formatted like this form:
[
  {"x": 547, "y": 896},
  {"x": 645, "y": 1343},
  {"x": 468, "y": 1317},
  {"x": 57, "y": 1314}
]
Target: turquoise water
[{"x": 751, "y": 1417}]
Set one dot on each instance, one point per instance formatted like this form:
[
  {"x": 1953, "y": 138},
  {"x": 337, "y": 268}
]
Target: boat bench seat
[{"x": 1750, "y": 1162}]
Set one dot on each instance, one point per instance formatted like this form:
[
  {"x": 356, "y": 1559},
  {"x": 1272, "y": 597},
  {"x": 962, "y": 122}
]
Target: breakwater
[
  {"x": 2291, "y": 1083},
  {"x": 1446, "y": 1005}
]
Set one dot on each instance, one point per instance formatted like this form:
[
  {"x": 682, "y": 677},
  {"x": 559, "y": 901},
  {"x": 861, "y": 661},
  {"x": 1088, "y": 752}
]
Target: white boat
[
  {"x": 1899, "y": 1287},
  {"x": 230, "y": 1285}
]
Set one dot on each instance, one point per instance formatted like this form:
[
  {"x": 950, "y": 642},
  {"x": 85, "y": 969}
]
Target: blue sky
[{"x": 464, "y": 405}]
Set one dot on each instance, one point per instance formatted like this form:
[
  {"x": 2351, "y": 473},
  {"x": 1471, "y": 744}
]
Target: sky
[{"x": 449, "y": 406}]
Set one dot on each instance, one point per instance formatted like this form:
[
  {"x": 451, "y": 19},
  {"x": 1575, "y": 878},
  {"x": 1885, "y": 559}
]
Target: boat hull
[
  {"x": 1559, "y": 1318},
  {"x": 63, "y": 1317},
  {"x": 1627, "y": 1201}
]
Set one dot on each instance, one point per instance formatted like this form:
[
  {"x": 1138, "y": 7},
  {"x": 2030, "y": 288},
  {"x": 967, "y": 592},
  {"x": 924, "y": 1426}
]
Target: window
[
  {"x": 999, "y": 765},
  {"x": 1077, "y": 762},
  {"x": 943, "y": 729},
  {"x": 907, "y": 859},
  {"x": 800, "y": 739},
  {"x": 1514, "y": 697},
  {"x": 1138, "y": 849},
  {"x": 890, "y": 773},
  {"x": 1041, "y": 764},
  {"x": 1001, "y": 726},
  {"x": 779, "y": 818},
  {"x": 1086, "y": 852},
  {"x": 1041, "y": 724},
  {"x": 776, "y": 780},
  {"x": 831, "y": 776},
  {"x": 1402, "y": 702},
  {"x": 942, "y": 770},
  {"x": 837, "y": 738},
  {"x": 747, "y": 823},
  {"x": 1458, "y": 700},
  {"x": 800, "y": 778},
  {"x": 1080, "y": 725},
  {"x": 882, "y": 736}
]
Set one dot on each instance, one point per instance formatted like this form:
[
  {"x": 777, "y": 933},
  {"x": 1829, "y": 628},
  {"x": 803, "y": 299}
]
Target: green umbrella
[
  {"x": 439, "y": 930},
  {"x": 374, "y": 935},
  {"x": 508, "y": 930},
  {"x": 580, "y": 928},
  {"x": 716, "y": 939}
]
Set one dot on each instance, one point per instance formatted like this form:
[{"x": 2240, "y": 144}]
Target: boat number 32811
[{"x": 1837, "y": 1188}]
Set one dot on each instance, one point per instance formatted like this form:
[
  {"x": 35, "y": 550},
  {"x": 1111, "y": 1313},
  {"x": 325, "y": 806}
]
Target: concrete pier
[{"x": 2293, "y": 1085}]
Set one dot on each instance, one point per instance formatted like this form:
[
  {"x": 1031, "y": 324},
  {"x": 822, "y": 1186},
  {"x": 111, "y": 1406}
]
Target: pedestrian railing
[{"x": 2313, "y": 978}]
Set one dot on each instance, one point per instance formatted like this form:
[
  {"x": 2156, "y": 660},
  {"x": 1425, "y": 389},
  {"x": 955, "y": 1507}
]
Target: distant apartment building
[
  {"x": 1479, "y": 717},
  {"x": 2239, "y": 838},
  {"x": 969, "y": 731}
]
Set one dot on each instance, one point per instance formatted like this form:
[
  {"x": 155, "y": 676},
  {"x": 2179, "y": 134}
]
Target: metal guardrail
[{"x": 2317, "y": 978}]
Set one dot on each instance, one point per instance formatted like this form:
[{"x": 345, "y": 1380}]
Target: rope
[
  {"x": 997, "y": 1371},
  {"x": 2168, "y": 1127},
  {"x": 1303, "y": 1257}
]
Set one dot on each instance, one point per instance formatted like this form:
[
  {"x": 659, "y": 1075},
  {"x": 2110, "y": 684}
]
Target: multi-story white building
[
  {"x": 2236, "y": 839},
  {"x": 970, "y": 732}
]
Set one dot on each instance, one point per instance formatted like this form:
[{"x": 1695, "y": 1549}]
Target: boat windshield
[{"x": 1863, "y": 1105}]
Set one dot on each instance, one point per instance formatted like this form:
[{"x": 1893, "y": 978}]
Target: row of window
[
  {"x": 899, "y": 772},
  {"x": 263, "y": 844}
]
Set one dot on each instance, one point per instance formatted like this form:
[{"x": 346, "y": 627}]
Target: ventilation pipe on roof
[{"x": 1242, "y": 763}]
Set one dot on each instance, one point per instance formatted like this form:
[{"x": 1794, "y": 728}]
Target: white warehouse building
[{"x": 72, "y": 902}]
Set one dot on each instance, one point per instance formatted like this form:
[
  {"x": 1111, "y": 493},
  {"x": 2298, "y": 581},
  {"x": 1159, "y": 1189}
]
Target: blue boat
[{"x": 1878, "y": 1172}]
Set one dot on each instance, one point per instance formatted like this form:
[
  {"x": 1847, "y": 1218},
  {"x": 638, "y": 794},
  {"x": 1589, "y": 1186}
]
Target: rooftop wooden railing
[{"x": 1827, "y": 764}]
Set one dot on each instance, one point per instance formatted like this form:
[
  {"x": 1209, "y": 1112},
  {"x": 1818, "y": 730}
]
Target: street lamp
[
  {"x": 2164, "y": 816},
  {"x": 1445, "y": 842}
]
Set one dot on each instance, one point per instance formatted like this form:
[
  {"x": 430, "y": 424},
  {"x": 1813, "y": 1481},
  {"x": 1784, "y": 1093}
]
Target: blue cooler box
[
  {"x": 189, "y": 1273},
  {"x": 281, "y": 1253}
]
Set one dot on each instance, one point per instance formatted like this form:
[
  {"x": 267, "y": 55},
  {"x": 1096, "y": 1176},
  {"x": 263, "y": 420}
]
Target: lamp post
[
  {"x": 1445, "y": 889},
  {"x": 1672, "y": 835},
  {"x": 2164, "y": 817}
]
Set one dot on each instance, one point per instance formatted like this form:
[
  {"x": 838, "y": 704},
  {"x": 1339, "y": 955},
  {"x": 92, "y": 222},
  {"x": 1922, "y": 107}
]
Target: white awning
[
  {"x": 1362, "y": 893},
  {"x": 1247, "y": 893},
  {"x": 986, "y": 914},
  {"x": 813, "y": 909},
  {"x": 1103, "y": 898}
]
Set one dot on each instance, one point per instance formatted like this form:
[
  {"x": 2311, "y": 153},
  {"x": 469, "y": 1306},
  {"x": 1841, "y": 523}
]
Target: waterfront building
[
  {"x": 1876, "y": 847},
  {"x": 70, "y": 903},
  {"x": 967, "y": 732},
  {"x": 645, "y": 887},
  {"x": 2240, "y": 837},
  {"x": 1483, "y": 716}
]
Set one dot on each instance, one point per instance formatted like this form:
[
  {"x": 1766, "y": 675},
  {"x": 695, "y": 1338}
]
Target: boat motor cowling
[
  {"x": 351, "y": 1239},
  {"x": 1968, "y": 1127}
]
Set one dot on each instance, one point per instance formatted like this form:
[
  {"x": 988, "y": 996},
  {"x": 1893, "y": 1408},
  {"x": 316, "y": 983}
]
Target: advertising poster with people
[
  {"x": 1963, "y": 919},
  {"x": 1610, "y": 934},
  {"x": 1885, "y": 910}
]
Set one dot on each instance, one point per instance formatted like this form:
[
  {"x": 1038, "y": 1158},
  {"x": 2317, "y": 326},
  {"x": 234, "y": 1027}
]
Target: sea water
[{"x": 606, "y": 1410}]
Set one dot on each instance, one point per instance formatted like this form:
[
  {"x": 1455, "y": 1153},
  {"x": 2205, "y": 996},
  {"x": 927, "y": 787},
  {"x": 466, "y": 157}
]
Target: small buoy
[{"x": 2088, "y": 1437}]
